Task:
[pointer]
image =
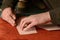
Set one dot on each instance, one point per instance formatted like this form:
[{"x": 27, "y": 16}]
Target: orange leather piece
[{"x": 8, "y": 32}]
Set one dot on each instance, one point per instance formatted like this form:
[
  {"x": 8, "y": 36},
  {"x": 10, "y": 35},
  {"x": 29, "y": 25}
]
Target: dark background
[
  {"x": 32, "y": 8},
  {"x": 0, "y": 5},
  {"x": 0, "y": 2}
]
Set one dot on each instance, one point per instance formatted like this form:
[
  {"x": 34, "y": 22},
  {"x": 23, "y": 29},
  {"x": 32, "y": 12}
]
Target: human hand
[
  {"x": 8, "y": 16},
  {"x": 33, "y": 20}
]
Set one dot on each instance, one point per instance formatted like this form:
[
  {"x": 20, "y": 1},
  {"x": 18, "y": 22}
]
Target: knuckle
[
  {"x": 34, "y": 19},
  {"x": 23, "y": 19}
]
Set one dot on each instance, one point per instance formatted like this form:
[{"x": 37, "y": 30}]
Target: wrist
[{"x": 48, "y": 16}]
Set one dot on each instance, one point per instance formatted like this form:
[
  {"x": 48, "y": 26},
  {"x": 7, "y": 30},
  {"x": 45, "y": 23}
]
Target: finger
[
  {"x": 13, "y": 16},
  {"x": 22, "y": 21},
  {"x": 29, "y": 26},
  {"x": 11, "y": 21},
  {"x": 25, "y": 23},
  {"x": 49, "y": 23}
]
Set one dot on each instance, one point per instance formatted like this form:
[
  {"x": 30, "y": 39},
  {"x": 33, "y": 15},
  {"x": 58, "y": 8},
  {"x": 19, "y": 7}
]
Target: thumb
[{"x": 29, "y": 26}]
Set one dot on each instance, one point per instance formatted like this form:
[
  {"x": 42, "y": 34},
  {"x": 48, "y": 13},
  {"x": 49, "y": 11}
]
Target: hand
[
  {"x": 33, "y": 20},
  {"x": 8, "y": 16}
]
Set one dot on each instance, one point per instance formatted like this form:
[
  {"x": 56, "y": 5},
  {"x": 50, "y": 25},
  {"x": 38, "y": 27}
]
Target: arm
[{"x": 54, "y": 6}]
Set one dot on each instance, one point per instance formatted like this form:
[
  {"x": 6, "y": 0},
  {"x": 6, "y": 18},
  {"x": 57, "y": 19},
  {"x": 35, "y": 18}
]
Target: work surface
[{"x": 8, "y": 32}]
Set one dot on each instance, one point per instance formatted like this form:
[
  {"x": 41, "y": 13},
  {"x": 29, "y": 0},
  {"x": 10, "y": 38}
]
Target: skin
[
  {"x": 8, "y": 16},
  {"x": 32, "y": 20}
]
